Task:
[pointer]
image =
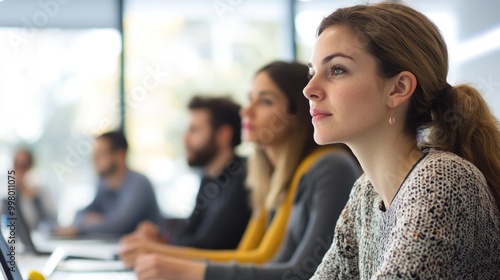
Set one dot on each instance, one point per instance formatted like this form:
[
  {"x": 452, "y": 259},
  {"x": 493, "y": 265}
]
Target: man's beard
[
  {"x": 109, "y": 171},
  {"x": 203, "y": 156}
]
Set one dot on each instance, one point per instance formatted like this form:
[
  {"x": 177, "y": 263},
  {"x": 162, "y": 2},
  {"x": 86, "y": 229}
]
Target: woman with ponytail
[{"x": 428, "y": 204}]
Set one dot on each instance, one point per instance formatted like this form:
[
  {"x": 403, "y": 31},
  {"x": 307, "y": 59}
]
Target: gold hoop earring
[{"x": 392, "y": 120}]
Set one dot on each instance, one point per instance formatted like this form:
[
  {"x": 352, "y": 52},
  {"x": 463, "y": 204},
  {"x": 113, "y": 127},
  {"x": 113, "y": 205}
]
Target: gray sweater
[
  {"x": 122, "y": 209},
  {"x": 321, "y": 195}
]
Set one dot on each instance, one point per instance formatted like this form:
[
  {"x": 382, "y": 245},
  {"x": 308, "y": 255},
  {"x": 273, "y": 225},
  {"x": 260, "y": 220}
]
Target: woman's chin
[
  {"x": 325, "y": 139},
  {"x": 321, "y": 139}
]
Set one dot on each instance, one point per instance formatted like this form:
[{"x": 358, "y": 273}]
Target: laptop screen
[
  {"x": 22, "y": 228},
  {"x": 10, "y": 270}
]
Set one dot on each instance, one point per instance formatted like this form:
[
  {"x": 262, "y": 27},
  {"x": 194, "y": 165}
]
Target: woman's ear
[{"x": 403, "y": 86}]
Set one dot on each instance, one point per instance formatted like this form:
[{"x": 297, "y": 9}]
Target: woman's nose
[
  {"x": 242, "y": 111},
  {"x": 312, "y": 91},
  {"x": 245, "y": 111}
]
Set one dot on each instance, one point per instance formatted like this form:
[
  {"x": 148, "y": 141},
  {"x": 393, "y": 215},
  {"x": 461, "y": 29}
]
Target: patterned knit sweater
[{"x": 442, "y": 224}]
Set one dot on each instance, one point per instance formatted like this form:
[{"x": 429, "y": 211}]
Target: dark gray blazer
[{"x": 321, "y": 195}]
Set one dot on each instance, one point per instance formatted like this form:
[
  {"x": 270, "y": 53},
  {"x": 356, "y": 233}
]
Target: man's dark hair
[
  {"x": 28, "y": 153},
  {"x": 223, "y": 111},
  {"x": 116, "y": 140}
]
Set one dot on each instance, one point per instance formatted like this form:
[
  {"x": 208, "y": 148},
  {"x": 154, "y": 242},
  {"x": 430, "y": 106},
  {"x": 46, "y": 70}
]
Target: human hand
[
  {"x": 155, "y": 266},
  {"x": 65, "y": 232},
  {"x": 92, "y": 218},
  {"x": 134, "y": 246},
  {"x": 147, "y": 230}
]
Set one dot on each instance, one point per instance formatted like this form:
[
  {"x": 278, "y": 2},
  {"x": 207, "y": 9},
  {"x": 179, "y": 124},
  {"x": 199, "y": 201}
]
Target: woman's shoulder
[
  {"x": 335, "y": 167},
  {"x": 334, "y": 160},
  {"x": 444, "y": 179},
  {"x": 332, "y": 173},
  {"x": 439, "y": 166}
]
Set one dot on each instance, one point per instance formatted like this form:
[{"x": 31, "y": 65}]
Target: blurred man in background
[
  {"x": 222, "y": 211},
  {"x": 124, "y": 197}
]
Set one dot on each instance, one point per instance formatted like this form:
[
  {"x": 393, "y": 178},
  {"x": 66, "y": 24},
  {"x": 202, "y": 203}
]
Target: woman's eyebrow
[{"x": 330, "y": 57}]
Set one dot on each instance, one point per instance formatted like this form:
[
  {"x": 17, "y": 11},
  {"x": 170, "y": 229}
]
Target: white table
[{"x": 27, "y": 263}]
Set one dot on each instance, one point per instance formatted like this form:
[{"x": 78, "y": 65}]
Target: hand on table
[
  {"x": 132, "y": 246},
  {"x": 146, "y": 230},
  {"x": 154, "y": 266},
  {"x": 65, "y": 232},
  {"x": 92, "y": 218}
]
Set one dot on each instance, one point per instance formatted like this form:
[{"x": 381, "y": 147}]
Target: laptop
[
  {"x": 74, "y": 248},
  {"x": 102, "y": 237},
  {"x": 10, "y": 270}
]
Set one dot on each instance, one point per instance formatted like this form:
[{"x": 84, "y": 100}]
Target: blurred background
[{"x": 72, "y": 69}]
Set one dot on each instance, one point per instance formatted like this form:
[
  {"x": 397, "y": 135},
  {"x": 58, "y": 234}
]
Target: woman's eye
[
  {"x": 266, "y": 102},
  {"x": 310, "y": 73},
  {"x": 337, "y": 71}
]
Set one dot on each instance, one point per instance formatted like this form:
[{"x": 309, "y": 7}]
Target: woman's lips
[
  {"x": 247, "y": 126},
  {"x": 318, "y": 114}
]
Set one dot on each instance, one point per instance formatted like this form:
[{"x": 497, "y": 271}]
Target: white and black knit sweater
[{"x": 442, "y": 224}]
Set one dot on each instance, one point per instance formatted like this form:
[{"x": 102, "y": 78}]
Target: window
[
  {"x": 194, "y": 47},
  {"x": 60, "y": 76},
  {"x": 471, "y": 31},
  {"x": 59, "y": 85},
  {"x": 57, "y": 90}
]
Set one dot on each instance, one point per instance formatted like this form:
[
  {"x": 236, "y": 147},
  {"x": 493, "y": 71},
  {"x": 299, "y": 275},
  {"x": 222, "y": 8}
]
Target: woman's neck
[
  {"x": 274, "y": 152},
  {"x": 386, "y": 163}
]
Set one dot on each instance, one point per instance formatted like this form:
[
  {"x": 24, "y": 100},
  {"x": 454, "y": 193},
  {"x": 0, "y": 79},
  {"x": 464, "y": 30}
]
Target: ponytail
[
  {"x": 464, "y": 125},
  {"x": 454, "y": 119}
]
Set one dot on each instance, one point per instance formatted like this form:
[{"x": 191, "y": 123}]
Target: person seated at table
[
  {"x": 297, "y": 193},
  {"x": 35, "y": 202},
  {"x": 222, "y": 209},
  {"x": 124, "y": 197}
]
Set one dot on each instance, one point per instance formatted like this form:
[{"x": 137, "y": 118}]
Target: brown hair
[
  {"x": 223, "y": 111},
  {"x": 449, "y": 118},
  {"x": 269, "y": 184}
]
